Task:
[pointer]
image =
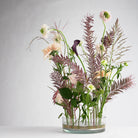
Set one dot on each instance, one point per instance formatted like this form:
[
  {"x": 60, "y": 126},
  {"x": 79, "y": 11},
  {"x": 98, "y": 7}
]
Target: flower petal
[{"x": 76, "y": 42}]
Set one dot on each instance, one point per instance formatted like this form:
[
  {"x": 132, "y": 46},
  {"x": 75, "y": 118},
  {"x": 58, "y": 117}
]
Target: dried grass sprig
[
  {"x": 120, "y": 86},
  {"x": 93, "y": 61},
  {"x": 118, "y": 47},
  {"x": 75, "y": 69},
  {"x": 57, "y": 79}
]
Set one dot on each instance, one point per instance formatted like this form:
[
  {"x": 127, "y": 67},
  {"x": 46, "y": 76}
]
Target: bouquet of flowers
[{"x": 85, "y": 81}]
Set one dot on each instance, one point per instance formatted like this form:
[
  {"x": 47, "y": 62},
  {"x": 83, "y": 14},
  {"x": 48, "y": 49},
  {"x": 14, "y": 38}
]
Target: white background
[{"x": 25, "y": 99}]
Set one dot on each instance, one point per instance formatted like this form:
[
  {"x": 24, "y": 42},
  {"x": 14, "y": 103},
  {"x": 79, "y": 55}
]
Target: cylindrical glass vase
[{"x": 95, "y": 125}]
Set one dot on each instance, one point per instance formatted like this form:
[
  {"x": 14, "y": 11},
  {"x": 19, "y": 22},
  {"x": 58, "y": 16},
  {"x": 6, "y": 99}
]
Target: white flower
[
  {"x": 57, "y": 38},
  {"x": 59, "y": 99},
  {"x": 91, "y": 87},
  {"x": 73, "y": 79},
  {"x": 44, "y": 30}
]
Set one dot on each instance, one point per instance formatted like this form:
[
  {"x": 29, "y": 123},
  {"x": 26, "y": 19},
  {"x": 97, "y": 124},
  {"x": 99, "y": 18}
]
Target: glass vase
[{"x": 95, "y": 125}]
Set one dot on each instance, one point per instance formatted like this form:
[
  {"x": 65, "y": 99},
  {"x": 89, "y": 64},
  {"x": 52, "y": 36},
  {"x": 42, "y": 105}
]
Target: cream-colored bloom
[
  {"x": 105, "y": 16},
  {"x": 53, "y": 47},
  {"x": 91, "y": 87},
  {"x": 44, "y": 30},
  {"x": 99, "y": 48},
  {"x": 102, "y": 74},
  {"x": 57, "y": 38},
  {"x": 59, "y": 99},
  {"x": 73, "y": 79},
  {"x": 56, "y": 46}
]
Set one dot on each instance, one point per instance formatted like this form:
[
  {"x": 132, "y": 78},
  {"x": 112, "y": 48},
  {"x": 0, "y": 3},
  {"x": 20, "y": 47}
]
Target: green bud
[
  {"x": 125, "y": 63},
  {"x": 42, "y": 30},
  {"x": 106, "y": 14},
  {"x": 104, "y": 62},
  {"x": 101, "y": 47}
]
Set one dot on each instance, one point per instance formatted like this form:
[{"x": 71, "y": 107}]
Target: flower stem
[
  {"x": 64, "y": 39},
  {"x": 82, "y": 63}
]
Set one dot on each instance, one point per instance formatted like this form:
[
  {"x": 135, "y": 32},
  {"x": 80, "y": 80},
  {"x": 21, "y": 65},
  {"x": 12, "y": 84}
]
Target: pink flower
[
  {"x": 73, "y": 79},
  {"x": 57, "y": 98},
  {"x": 105, "y": 16},
  {"x": 53, "y": 47}
]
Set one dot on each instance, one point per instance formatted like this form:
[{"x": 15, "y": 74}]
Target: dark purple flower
[{"x": 76, "y": 42}]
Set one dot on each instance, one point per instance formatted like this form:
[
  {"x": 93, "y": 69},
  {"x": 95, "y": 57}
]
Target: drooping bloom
[
  {"x": 73, "y": 79},
  {"x": 105, "y": 16},
  {"x": 53, "y": 47},
  {"x": 102, "y": 74},
  {"x": 57, "y": 38},
  {"x": 44, "y": 30},
  {"x": 91, "y": 87},
  {"x": 74, "y": 47},
  {"x": 57, "y": 98}
]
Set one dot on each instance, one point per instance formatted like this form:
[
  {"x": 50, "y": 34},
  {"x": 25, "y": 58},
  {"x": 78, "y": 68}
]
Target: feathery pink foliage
[{"x": 94, "y": 62}]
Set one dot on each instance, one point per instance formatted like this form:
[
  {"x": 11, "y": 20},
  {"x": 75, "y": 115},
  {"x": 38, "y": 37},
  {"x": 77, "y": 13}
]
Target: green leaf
[
  {"x": 118, "y": 75},
  {"x": 54, "y": 52},
  {"x": 91, "y": 104},
  {"x": 74, "y": 102},
  {"x": 65, "y": 93},
  {"x": 88, "y": 99},
  {"x": 94, "y": 99},
  {"x": 60, "y": 115},
  {"x": 75, "y": 94},
  {"x": 65, "y": 78},
  {"x": 79, "y": 87}
]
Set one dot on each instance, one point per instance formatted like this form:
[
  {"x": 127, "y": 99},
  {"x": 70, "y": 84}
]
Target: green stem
[
  {"x": 79, "y": 116},
  {"x": 64, "y": 39},
  {"x": 68, "y": 48},
  {"x": 84, "y": 51},
  {"x": 82, "y": 63},
  {"x": 103, "y": 32},
  {"x": 88, "y": 117},
  {"x": 102, "y": 46},
  {"x": 66, "y": 115},
  {"x": 72, "y": 117},
  {"x": 102, "y": 49}
]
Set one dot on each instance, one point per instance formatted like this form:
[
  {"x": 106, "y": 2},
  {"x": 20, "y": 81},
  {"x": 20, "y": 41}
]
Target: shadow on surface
[{"x": 30, "y": 130}]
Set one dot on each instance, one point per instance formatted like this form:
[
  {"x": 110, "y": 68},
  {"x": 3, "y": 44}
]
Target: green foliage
[
  {"x": 84, "y": 115},
  {"x": 59, "y": 68},
  {"x": 54, "y": 52},
  {"x": 66, "y": 93},
  {"x": 65, "y": 78},
  {"x": 74, "y": 103},
  {"x": 60, "y": 115},
  {"x": 79, "y": 87}
]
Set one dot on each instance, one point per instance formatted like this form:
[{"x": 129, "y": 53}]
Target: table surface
[{"x": 53, "y": 132}]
